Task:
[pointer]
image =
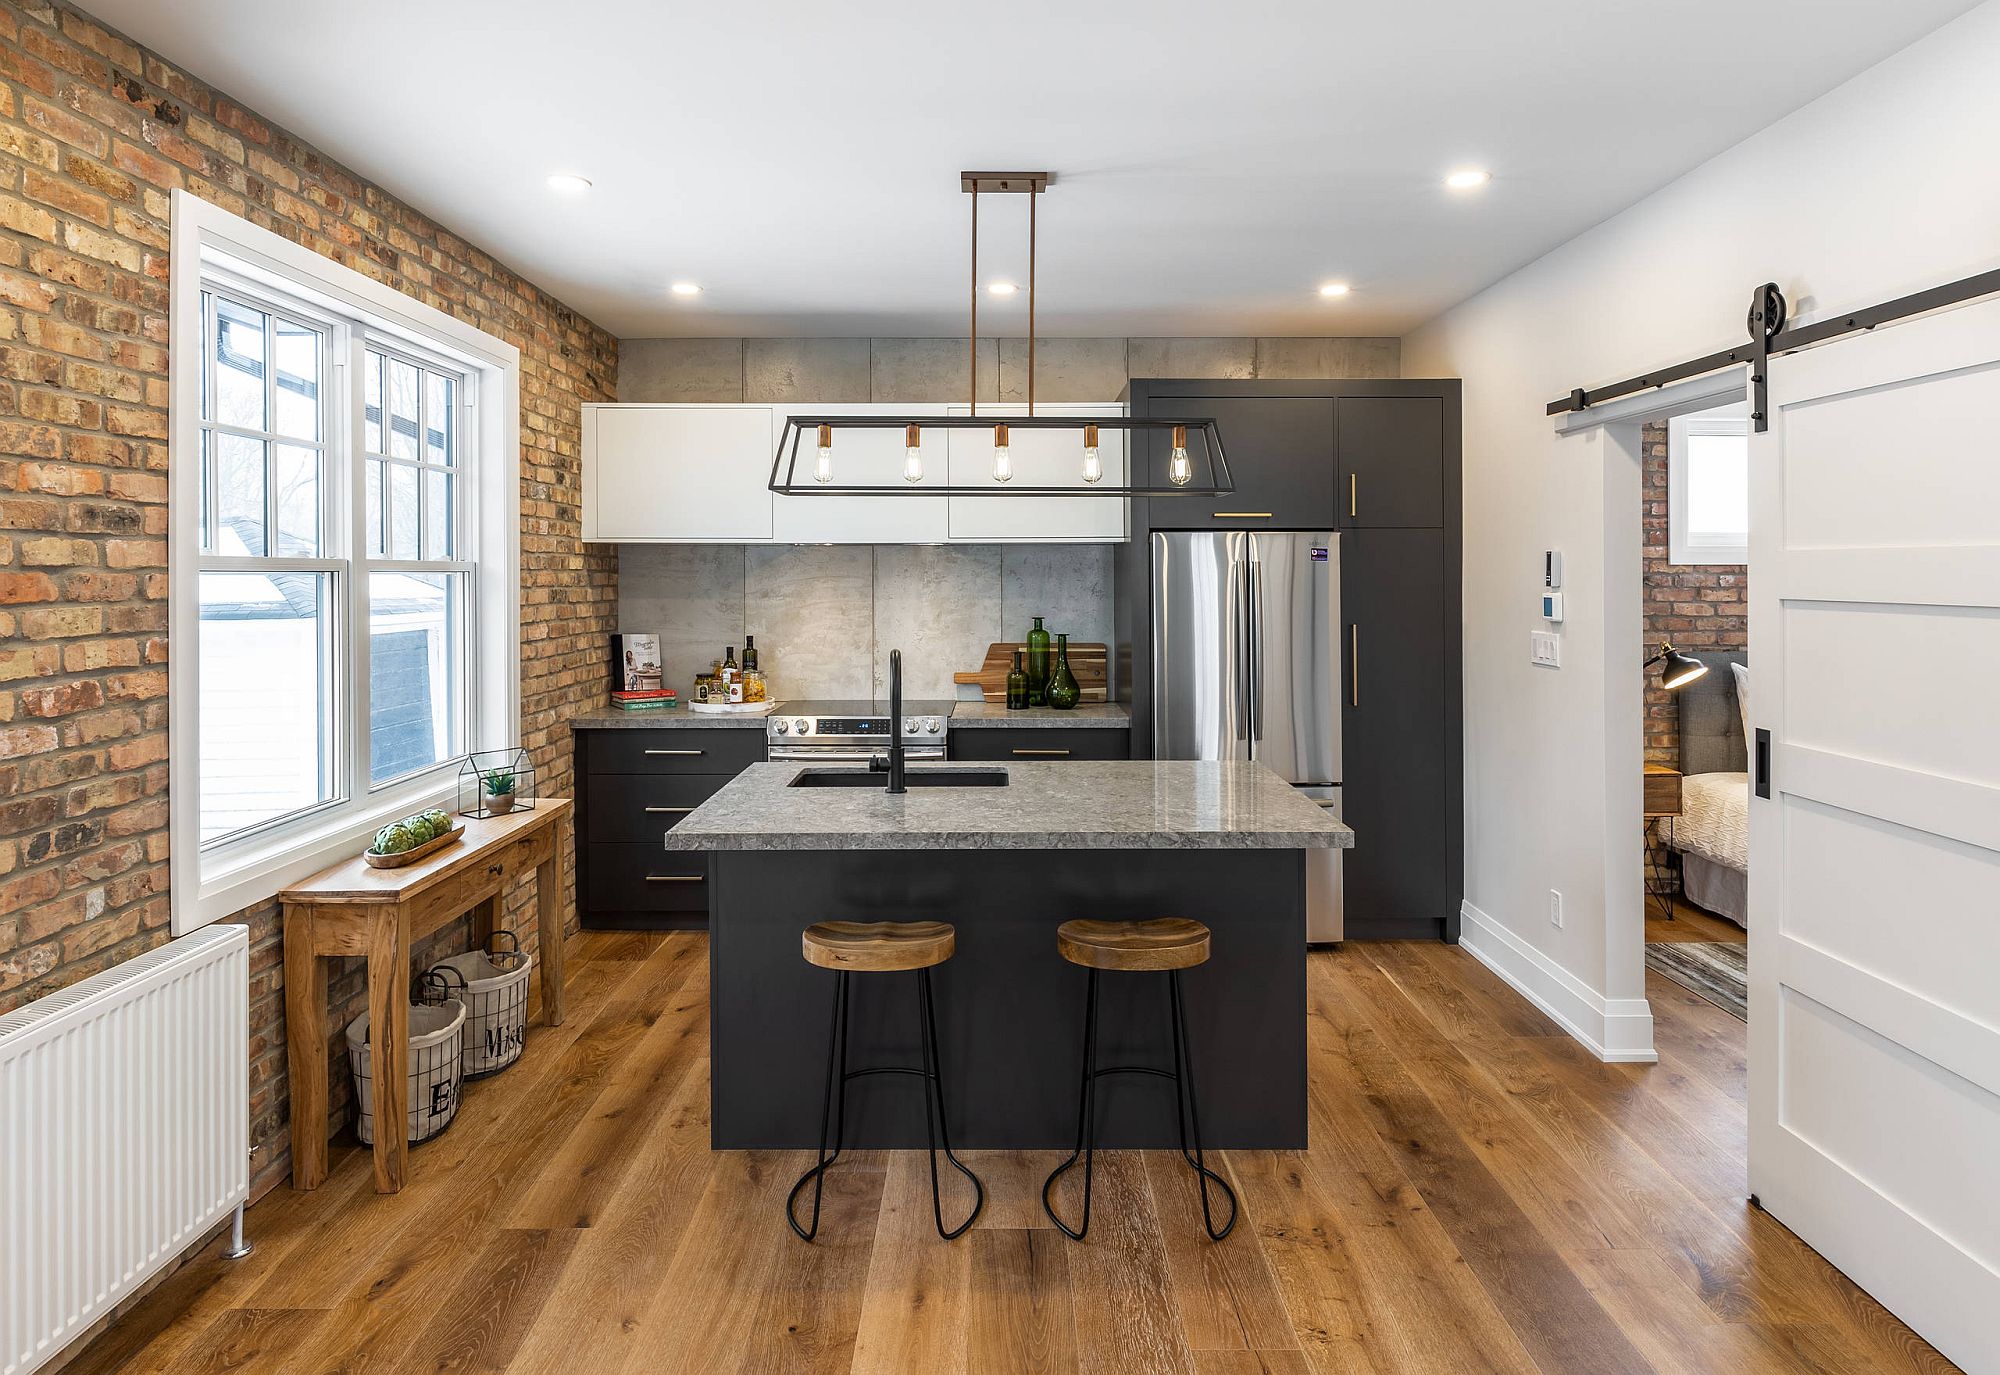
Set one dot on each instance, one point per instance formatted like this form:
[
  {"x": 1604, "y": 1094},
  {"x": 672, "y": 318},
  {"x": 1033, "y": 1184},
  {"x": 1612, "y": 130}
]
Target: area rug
[{"x": 1716, "y": 970}]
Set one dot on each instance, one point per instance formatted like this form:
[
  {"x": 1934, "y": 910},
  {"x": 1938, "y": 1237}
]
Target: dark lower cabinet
[
  {"x": 1028, "y": 744},
  {"x": 633, "y": 786},
  {"x": 1399, "y": 759}
]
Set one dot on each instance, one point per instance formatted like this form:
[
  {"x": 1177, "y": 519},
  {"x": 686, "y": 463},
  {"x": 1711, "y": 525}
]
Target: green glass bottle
[
  {"x": 1017, "y": 685},
  {"x": 1063, "y": 691},
  {"x": 1038, "y": 665}
]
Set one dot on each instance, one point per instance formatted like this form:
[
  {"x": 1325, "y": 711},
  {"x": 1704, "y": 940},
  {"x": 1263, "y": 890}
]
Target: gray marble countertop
[
  {"x": 611, "y": 718},
  {"x": 980, "y": 715},
  {"x": 1073, "y": 805}
]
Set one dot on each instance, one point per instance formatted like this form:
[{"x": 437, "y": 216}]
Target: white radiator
[{"x": 124, "y": 1124}]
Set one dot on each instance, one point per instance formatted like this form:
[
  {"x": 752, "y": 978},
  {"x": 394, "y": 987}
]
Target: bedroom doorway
[{"x": 1695, "y": 538}]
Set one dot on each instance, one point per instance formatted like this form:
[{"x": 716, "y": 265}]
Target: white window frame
[
  {"x": 210, "y": 244},
  {"x": 1683, "y": 545}
]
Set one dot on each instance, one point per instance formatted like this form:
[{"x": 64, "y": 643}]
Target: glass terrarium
[{"x": 496, "y": 782}]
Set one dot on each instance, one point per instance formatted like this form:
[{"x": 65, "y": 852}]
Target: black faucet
[{"x": 892, "y": 763}]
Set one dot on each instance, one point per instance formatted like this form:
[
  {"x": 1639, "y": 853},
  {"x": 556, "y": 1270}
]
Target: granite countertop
[
  {"x": 611, "y": 718},
  {"x": 981, "y": 715},
  {"x": 1072, "y": 805}
]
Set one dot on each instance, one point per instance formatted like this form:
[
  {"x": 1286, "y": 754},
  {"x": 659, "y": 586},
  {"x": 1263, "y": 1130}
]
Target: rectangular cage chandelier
[{"x": 1184, "y": 464}]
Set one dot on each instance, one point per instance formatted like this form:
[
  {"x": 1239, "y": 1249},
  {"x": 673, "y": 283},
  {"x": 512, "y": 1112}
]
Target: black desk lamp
[{"x": 1680, "y": 668}]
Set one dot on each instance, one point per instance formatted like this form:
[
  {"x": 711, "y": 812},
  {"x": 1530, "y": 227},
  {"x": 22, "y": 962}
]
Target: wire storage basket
[
  {"x": 493, "y": 984},
  {"x": 437, "y": 1044}
]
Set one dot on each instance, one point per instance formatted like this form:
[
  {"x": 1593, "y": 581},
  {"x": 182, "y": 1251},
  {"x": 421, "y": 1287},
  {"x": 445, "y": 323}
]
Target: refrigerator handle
[
  {"x": 1239, "y": 667},
  {"x": 1254, "y": 620}
]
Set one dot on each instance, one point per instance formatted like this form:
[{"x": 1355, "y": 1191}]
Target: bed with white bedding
[{"x": 1712, "y": 832}]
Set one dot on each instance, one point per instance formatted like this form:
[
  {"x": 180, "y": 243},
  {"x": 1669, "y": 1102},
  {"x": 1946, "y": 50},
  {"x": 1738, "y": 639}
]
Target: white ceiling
[{"x": 1215, "y": 162}]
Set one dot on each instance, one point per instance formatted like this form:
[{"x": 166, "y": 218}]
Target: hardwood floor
[
  {"x": 1480, "y": 1195},
  {"x": 1691, "y": 923}
]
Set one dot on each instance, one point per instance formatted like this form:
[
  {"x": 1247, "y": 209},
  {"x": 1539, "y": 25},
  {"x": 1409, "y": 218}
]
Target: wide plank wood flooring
[{"x": 1480, "y": 1195}]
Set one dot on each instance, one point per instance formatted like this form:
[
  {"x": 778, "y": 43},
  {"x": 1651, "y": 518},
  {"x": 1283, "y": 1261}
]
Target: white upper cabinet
[
  {"x": 1041, "y": 458},
  {"x": 871, "y": 456},
  {"x": 684, "y": 474},
  {"x": 692, "y": 474}
]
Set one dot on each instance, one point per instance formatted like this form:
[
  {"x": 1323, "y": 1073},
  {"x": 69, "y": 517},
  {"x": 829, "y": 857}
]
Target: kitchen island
[{"x": 1223, "y": 843}]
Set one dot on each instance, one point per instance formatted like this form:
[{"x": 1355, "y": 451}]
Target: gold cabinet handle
[
  {"x": 1240, "y": 515},
  {"x": 1061, "y": 754},
  {"x": 1353, "y": 493},
  {"x": 1354, "y": 664},
  {"x": 671, "y": 811},
  {"x": 679, "y": 752},
  {"x": 673, "y": 878}
]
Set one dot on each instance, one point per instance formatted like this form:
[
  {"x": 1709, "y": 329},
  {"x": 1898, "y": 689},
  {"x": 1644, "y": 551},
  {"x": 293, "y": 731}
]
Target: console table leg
[
  {"x": 305, "y": 1048},
  {"x": 389, "y": 1042}
]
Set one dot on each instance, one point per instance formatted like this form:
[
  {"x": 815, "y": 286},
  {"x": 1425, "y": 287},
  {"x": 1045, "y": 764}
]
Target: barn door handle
[{"x": 1764, "y": 764}]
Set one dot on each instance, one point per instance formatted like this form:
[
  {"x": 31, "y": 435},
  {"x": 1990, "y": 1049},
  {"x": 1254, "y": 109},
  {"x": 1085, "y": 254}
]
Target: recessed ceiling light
[
  {"x": 1001, "y": 288},
  {"x": 1465, "y": 178},
  {"x": 1333, "y": 289},
  {"x": 686, "y": 288},
  {"x": 569, "y": 182}
]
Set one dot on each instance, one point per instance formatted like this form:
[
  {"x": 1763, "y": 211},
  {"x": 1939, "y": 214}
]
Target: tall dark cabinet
[{"x": 1379, "y": 462}]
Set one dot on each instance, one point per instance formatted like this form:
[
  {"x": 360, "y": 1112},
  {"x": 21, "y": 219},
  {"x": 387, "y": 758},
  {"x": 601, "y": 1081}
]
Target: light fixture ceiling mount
[{"x": 1179, "y": 467}]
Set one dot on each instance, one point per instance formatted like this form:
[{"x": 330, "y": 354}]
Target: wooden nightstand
[{"x": 1662, "y": 803}]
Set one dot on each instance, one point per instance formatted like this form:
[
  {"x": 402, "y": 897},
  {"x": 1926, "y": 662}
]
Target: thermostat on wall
[
  {"x": 1552, "y": 569},
  {"x": 1552, "y": 606}
]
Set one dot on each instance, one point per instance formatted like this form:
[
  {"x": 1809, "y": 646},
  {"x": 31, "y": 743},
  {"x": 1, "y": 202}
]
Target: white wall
[{"x": 1883, "y": 186}]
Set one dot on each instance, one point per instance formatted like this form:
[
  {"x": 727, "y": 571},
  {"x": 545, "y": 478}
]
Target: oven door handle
[{"x": 811, "y": 756}]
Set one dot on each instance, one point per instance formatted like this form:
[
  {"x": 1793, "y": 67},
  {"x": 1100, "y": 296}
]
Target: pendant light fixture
[{"x": 1141, "y": 478}]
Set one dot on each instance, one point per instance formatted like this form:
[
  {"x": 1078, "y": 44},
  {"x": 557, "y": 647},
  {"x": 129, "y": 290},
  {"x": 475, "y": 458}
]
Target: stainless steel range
[{"x": 852, "y": 732}]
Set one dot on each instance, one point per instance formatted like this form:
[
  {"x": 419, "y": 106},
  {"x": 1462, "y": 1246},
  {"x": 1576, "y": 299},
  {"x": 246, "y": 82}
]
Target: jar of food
[{"x": 753, "y": 685}]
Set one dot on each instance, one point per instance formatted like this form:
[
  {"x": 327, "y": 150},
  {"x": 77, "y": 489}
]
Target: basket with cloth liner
[
  {"x": 493, "y": 985},
  {"x": 437, "y": 1039}
]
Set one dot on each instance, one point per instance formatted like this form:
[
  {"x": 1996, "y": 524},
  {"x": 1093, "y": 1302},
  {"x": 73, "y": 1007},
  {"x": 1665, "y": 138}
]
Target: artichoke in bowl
[{"x": 395, "y": 839}]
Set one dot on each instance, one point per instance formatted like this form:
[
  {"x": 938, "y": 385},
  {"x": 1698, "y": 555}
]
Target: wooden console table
[{"x": 352, "y": 909}]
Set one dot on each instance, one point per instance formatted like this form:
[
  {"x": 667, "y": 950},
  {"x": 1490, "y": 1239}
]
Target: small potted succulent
[{"x": 499, "y": 787}]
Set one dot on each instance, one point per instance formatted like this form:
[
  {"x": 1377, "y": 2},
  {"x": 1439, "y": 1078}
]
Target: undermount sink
[{"x": 915, "y": 778}]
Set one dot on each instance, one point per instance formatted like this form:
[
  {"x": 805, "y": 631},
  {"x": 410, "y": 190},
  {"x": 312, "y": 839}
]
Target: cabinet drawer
[
  {"x": 674, "y": 750},
  {"x": 1041, "y": 746},
  {"x": 643, "y": 877},
  {"x": 644, "y": 806}
]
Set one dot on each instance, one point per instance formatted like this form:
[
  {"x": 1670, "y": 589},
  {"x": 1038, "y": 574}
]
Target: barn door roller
[{"x": 1770, "y": 336}]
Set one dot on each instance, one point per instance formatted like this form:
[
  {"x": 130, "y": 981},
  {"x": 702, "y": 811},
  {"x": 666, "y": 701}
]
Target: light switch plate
[{"x": 1545, "y": 648}]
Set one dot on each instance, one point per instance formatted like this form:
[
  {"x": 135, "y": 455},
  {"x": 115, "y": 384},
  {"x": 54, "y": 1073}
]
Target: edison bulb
[
  {"x": 1180, "y": 469},
  {"x": 1093, "y": 466},
  {"x": 1003, "y": 464},
  {"x": 823, "y": 464},
  {"x": 913, "y": 464}
]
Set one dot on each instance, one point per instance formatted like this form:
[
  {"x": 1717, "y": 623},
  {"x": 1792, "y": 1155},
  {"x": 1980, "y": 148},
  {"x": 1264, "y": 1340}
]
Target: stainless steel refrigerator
[{"x": 1246, "y": 665}]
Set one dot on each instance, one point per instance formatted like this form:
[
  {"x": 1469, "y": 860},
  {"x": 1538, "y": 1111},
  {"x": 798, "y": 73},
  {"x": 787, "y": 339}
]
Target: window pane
[
  {"x": 437, "y": 418},
  {"x": 437, "y": 514},
  {"x": 415, "y": 677},
  {"x": 402, "y": 511},
  {"x": 298, "y": 381},
  {"x": 201, "y": 516},
  {"x": 296, "y": 472},
  {"x": 240, "y": 355},
  {"x": 1718, "y": 496},
  {"x": 374, "y": 509},
  {"x": 402, "y": 409},
  {"x": 266, "y": 697},
  {"x": 371, "y": 373},
  {"x": 239, "y": 495}
]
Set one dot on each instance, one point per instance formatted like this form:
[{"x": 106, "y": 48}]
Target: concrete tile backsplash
[{"x": 826, "y": 616}]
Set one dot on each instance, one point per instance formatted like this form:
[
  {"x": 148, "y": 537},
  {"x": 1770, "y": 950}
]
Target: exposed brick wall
[
  {"x": 1696, "y": 606},
  {"x": 94, "y": 134}
]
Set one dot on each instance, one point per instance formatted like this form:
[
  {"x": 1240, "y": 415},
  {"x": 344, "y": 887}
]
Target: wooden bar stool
[
  {"x": 1168, "y": 945},
  {"x": 881, "y": 947}
]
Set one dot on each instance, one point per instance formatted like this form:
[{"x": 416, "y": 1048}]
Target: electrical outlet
[
  {"x": 1545, "y": 647},
  {"x": 1555, "y": 908}
]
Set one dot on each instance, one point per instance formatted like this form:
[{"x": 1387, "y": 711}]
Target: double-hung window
[{"x": 344, "y": 568}]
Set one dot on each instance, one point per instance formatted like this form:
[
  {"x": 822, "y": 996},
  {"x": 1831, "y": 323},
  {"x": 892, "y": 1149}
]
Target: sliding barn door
[{"x": 1875, "y": 817}]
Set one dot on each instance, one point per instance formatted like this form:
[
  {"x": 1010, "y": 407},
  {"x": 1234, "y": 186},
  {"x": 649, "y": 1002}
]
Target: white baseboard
[{"x": 1614, "y": 1029}]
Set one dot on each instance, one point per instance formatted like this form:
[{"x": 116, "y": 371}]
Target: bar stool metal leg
[
  {"x": 1086, "y": 1122},
  {"x": 836, "y": 1089},
  {"x": 1184, "y": 1086},
  {"x": 934, "y": 1098}
]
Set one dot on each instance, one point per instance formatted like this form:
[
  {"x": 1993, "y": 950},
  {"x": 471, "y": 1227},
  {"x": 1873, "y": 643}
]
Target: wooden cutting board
[{"x": 1087, "y": 662}]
